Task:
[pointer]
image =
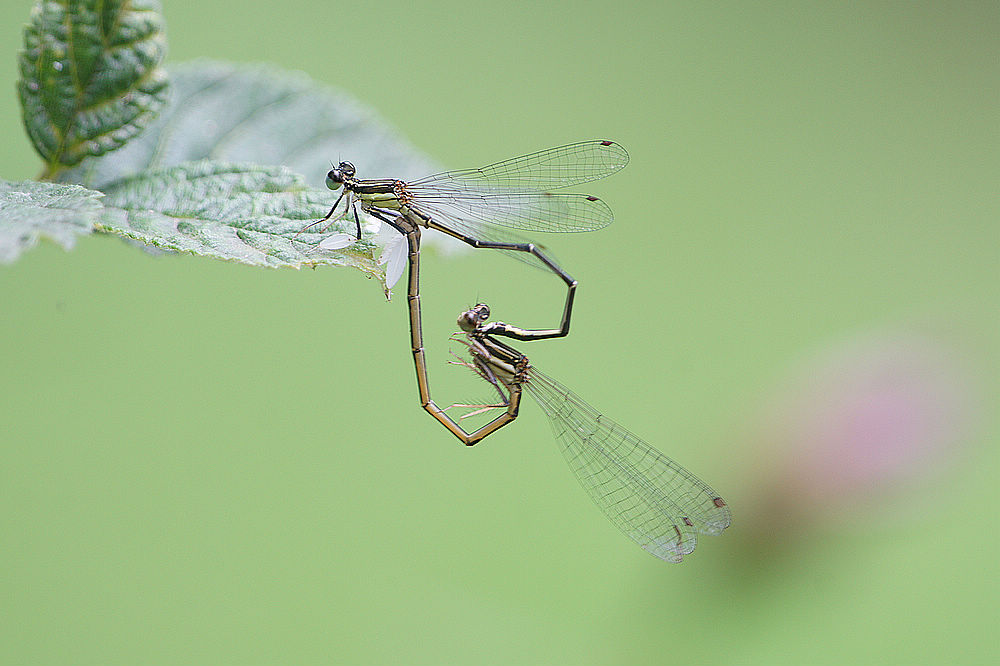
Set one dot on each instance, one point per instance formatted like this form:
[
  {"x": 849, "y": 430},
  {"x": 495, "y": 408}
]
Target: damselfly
[
  {"x": 656, "y": 502},
  {"x": 484, "y": 208}
]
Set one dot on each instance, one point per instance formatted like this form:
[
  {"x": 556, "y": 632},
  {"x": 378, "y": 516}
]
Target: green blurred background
[{"x": 208, "y": 463}]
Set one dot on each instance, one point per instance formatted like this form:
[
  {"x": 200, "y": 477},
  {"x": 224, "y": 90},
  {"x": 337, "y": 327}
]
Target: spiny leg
[{"x": 326, "y": 217}]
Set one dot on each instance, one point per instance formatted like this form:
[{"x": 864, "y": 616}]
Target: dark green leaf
[
  {"x": 30, "y": 210},
  {"x": 90, "y": 76},
  {"x": 244, "y": 113}
]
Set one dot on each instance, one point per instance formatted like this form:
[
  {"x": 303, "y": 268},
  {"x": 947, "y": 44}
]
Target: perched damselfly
[
  {"x": 484, "y": 208},
  {"x": 656, "y": 502}
]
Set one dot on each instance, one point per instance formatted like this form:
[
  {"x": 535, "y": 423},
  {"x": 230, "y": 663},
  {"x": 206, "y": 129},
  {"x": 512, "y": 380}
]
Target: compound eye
[
  {"x": 466, "y": 322},
  {"x": 484, "y": 312},
  {"x": 334, "y": 179},
  {"x": 347, "y": 169}
]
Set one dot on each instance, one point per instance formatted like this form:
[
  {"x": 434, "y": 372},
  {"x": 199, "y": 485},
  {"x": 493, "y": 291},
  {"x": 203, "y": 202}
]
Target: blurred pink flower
[
  {"x": 877, "y": 411},
  {"x": 857, "y": 421}
]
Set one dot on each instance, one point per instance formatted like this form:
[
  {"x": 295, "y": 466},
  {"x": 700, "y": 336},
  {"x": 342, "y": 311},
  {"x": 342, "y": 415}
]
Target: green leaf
[
  {"x": 239, "y": 212},
  {"x": 236, "y": 115},
  {"x": 90, "y": 76},
  {"x": 30, "y": 210},
  {"x": 262, "y": 114}
]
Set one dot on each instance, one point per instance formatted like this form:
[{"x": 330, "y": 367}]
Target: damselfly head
[
  {"x": 470, "y": 320},
  {"x": 336, "y": 177}
]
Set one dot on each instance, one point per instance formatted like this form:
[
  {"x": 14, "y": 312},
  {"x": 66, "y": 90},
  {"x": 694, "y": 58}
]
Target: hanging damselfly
[{"x": 659, "y": 504}]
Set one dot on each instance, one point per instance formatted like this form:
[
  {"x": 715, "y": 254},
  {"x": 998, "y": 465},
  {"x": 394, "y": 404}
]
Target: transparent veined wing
[
  {"x": 656, "y": 502},
  {"x": 525, "y": 211},
  {"x": 544, "y": 170}
]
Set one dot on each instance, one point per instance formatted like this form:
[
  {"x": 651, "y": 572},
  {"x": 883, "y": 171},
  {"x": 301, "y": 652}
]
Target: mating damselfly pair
[{"x": 655, "y": 501}]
